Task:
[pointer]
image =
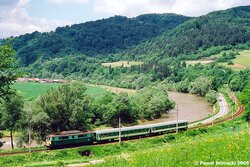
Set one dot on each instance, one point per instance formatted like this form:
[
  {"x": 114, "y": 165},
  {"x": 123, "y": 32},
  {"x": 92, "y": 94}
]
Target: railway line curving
[{"x": 235, "y": 115}]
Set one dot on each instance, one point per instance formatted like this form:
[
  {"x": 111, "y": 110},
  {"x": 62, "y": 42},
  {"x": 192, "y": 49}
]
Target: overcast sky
[{"x": 24, "y": 16}]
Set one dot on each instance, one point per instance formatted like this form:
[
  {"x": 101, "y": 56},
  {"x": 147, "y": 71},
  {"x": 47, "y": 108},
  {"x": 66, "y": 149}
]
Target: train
[{"x": 76, "y": 138}]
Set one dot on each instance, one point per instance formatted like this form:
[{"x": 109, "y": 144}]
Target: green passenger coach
[
  {"x": 141, "y": 130},
  {"x": 166, "y": 127},
  {"x": 113, "y": 134}
]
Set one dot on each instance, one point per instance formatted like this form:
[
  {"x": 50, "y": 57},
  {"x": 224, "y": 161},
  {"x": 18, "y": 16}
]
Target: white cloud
[
  {"x": 67, "y": 1},
  {"x": 23, "y": 2},
  {"x": 133, "y": 8},
  {"x": 129, "y": 7},
  {"x": 15, "y": 21}
]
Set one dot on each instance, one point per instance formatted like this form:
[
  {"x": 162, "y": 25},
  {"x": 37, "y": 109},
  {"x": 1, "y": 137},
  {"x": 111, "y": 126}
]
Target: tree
[
  {"x": 152, "y": 102},
  {"x": 67, "y": 107},
  {"x": 244, "y": 99},
  {"x": 230, "y": 62},
  {"x": 13, "y": 108},
  {"x": 11, "y": 103},
  {"x": 121, "y": 107},
  {"x": 34, "y": 122},
  {"x": 184, "y": 64},
  {"x": 211, "y": 97},
  {"x": 201, "y": 86},
  {"x": 236, "y": 84}
]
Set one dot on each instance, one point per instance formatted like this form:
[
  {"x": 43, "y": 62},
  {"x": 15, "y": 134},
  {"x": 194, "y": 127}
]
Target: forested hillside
[
  {"x": 220, "y": 28},
  {"x": 101, "y": 37}
]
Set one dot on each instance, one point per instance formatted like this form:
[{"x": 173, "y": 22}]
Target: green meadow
[
  {"x": 241, "y": 62},
  {"x": 31, "y": 90}
]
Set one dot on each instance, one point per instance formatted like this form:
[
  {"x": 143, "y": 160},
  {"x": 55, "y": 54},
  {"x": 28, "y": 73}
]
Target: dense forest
[
  {"x": 220, "y": 28},
  {"x": 77, "y": 51},
  {"x": 101, "y": 37}
]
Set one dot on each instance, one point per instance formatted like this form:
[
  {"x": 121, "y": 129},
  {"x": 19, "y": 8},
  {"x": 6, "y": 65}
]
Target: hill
[
  {"x": 220, "y": 28},
  {"x": 101, "y": 37}
]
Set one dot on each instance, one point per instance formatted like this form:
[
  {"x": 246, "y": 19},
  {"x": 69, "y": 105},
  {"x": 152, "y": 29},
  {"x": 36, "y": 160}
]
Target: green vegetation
[
  {"x": 244, "y": 99},
  {"x": 243, "y": 58},
  {"x": 11, "y": 103},
  {"x": 162, "y": 42},
  {"x": 31, "y": 90},
  {"x": 182, "y": 149},
  {"x": 189, "y": 153},
  {"x": 240, "y": 62},
  {"x": 70, "y": 107},
  {"x": 101, "y": 37},
  {"x": 217, "y": 30},
  {"x": 95, "y": 90},
  {"x": 7, "y": 73}
]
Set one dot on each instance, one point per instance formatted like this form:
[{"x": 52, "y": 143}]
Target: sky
[{"x": 18, "y": 17}]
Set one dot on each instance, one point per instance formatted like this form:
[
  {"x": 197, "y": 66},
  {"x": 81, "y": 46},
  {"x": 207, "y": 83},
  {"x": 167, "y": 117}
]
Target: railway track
[{"x": 235, "y": 115}]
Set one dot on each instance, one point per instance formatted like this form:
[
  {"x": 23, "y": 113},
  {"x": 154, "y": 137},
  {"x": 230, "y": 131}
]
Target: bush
[
  {"x": 230, "y": 62},
  {"x": 168, "y": 138},
  {"x": 196, "y": 132},
  {"x": 59, "y": 164}
]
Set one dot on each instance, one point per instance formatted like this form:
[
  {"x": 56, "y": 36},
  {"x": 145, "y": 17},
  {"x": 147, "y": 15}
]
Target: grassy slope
[
  {"x": 29, "y": 90},
  {"x": 243, "y": 58},
  {"x": 241, "y": 61},
  {"x": 225, "y": 148},
  {"x": 218, "y": 144},
  {"x": 33, "y": 90}
]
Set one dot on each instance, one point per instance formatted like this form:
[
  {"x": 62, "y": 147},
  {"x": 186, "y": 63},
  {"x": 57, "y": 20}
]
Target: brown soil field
[{"x": 238, "y": 66}]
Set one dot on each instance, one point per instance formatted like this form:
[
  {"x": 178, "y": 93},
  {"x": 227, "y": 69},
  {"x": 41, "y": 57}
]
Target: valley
[{"x": 124, "y": 78}]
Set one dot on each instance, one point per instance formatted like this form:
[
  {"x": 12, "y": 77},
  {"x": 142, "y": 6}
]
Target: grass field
[
  {"x": 193, "y": 62},
  {"x": 122, "y": 63},
  {"x": 32, "y": 90},
  {"x": 241, "y": 61},
  {"x": 243, "y": 58},
  {"x": 184, "y": 149}
]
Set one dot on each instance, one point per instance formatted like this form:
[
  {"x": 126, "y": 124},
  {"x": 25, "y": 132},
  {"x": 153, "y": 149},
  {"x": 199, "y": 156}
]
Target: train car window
[{"x": 64, "y": 137}]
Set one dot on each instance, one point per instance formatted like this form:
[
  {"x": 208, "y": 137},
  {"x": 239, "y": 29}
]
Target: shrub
[
  {"x": 230, "y": 62},
  {"x": 168, "y": 138}
]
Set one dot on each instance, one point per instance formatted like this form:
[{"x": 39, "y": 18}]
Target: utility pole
[
  {"x": 29, "y": 139},
  {"x": 213, "y": 118},
  {"x": 119, "y": 129},
  {"x": 234, "y": 107},
  {"x": 177, "y": 115}
]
